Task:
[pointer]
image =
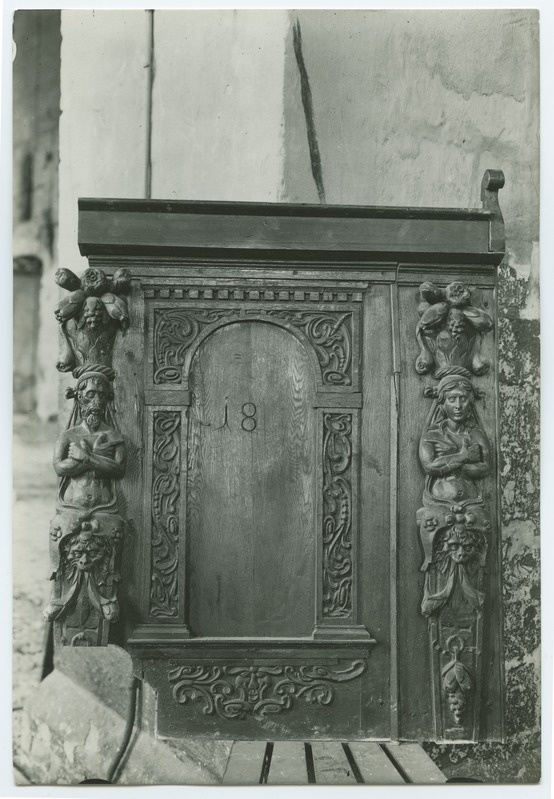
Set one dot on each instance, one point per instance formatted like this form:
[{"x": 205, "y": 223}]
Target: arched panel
[{"x": 251, "y": 484}]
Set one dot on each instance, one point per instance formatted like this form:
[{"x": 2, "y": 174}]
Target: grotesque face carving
[
  {"x": 93, "y": 312},
  {"x": 456, "y": 324},
  {"x": 93, "y": 397},
  {"x": 87, "y": 551},
  {"x": 459, "y": 545}
]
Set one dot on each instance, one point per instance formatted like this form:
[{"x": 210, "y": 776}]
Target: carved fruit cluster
[
  {"x": 93, "y": 296},
  {"x": 448, "y": 328}
]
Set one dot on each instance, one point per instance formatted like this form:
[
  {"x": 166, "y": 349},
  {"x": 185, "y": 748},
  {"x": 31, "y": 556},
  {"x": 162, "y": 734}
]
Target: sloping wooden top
[{"x": 295, "y": 232}]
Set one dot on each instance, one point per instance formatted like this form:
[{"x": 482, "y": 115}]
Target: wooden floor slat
[
  {"x": 288, "y": 764},
  {"x": 331, "y": 764},
  {"x": 375, "y": 767},
  {"x": 417, "y": 765},
  {"x": 245, "y": 763}
]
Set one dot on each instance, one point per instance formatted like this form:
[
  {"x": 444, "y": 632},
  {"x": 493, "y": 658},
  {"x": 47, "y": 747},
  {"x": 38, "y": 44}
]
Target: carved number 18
[{"x": 249, "y": 422}]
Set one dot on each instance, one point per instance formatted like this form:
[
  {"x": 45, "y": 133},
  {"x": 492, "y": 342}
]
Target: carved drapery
[
  {"x": 90, "y": 456},
  {"x": 337, "y": 515},
  {"x": 239, "y": 692},
  {"x": 329, "y": 333},
  {"x": 166, "y": 469},
  {"x": 455, "y": 519}
]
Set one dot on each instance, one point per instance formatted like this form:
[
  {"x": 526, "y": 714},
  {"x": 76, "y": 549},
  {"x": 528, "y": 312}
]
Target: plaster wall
[{"x": 36, "y": 104}]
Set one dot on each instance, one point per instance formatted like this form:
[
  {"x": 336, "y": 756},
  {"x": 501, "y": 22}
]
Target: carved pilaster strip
[
  {"x": 337, "y": 600},
  {"x": 90, "y": 456},
  {"x": 454, "y": 521},
  {"x": 166, "y": 469}
]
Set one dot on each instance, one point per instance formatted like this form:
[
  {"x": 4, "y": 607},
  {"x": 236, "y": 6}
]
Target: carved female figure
[
  {"x": 453, "y": 450},
  {"x": 455, "y": 454}
]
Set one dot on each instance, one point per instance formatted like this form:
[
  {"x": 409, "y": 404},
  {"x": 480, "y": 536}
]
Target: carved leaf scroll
[
  {"x": 330, "y": 334},
  {"x": 166, "y": 466},
  {"x": 175, "y": 329},
  {"x": 239, "y": 692},
  {"x": 337, "y": 515}
]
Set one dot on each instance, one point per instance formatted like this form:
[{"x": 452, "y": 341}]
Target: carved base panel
[{"x": 277, "y": 695}]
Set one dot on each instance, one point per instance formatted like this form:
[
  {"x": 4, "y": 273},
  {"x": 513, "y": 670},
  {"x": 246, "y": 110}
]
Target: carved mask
[
  {"x": 93, "y": 313},
  {"x": 456, "y": 323},
  {"x": 87, "y": 551}
]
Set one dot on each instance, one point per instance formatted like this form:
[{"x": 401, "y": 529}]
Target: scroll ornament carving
[
  {"x": 450, "y": 330},
  {"x": 175, "y": 329},
  {"x": 166, "y": 467},
  {"x": 454, "y": 526},
  {"x": 337, "y": 515},
  {"x": 331, "y": 337},
  {"x": 330, "y": 334},
  {"x": 238, "y": 692},
  {"x": 90, "y": 315}
]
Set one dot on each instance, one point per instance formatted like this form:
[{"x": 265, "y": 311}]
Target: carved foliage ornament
[
  {"x": 330, "y": 334},
  {"x": 337, "y": 515},
  {"x": 166, "y": 467},
  {"x": 450, "y": 329},
  {"x": 238, "y": 692}
]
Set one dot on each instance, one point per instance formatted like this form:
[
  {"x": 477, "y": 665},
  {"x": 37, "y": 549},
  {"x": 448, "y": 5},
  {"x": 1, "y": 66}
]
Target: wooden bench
[{"x": 329, "y": 763}]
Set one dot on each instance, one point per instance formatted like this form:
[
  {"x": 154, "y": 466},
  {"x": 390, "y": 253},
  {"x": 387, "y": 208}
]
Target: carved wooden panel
[
  {"x": 251, "y": 484},
  {"x": 236, "y": 692}
]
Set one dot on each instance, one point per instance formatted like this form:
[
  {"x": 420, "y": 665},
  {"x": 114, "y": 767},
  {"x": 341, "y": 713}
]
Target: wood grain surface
[{"x": 251, "y": 484}]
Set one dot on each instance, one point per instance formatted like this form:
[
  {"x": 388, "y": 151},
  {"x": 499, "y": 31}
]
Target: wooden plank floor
[{"x": 329, "y": 763}]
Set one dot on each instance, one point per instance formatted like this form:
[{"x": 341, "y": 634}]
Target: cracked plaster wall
[{"x": 410, "y": 108}]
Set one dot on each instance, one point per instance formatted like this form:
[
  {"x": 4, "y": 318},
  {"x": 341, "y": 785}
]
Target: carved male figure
[
  {"x": 85, "y": 533},
  {"x": 91, "y": 454}
]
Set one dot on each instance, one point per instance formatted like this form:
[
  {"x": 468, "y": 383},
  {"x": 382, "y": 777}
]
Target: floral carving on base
[
  {"x": 239, "y": 692},
  {"x": 337, "y": 515}
]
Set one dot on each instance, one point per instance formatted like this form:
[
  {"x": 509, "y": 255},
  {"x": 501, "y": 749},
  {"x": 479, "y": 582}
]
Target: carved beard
[{"x": 93, "y": 418}]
